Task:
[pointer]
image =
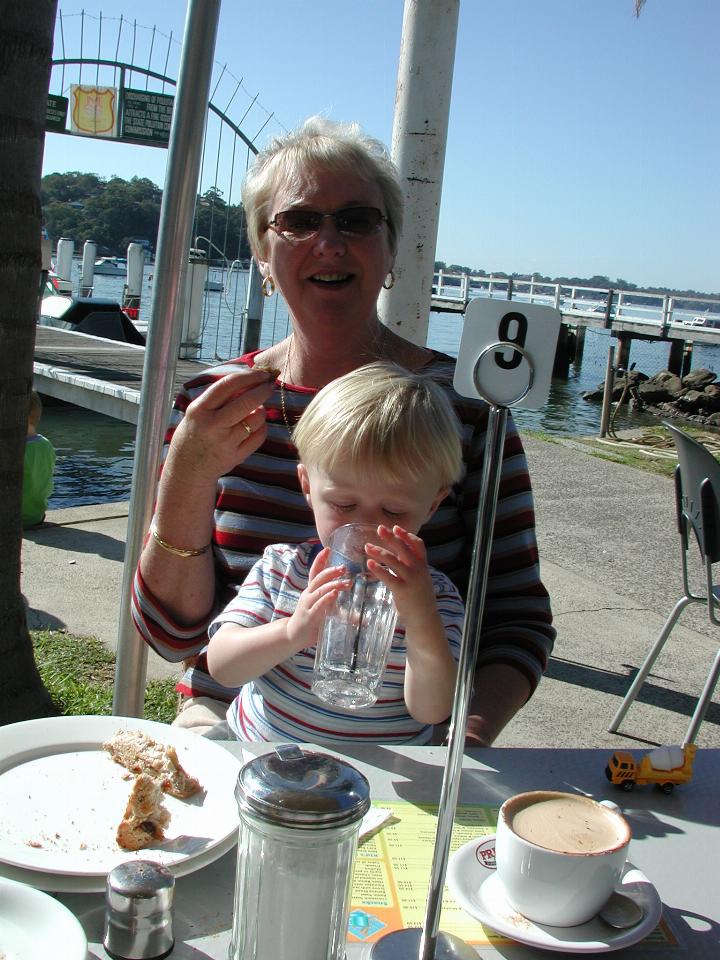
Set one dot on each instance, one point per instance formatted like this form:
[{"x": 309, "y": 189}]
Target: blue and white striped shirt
[{"x": 279, "y": 704}]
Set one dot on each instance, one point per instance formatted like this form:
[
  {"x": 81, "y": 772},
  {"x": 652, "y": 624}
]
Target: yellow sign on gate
[{"x": 94, "y": 110}]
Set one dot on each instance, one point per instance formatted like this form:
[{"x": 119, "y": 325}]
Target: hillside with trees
[{"x": 113, "y": 212}]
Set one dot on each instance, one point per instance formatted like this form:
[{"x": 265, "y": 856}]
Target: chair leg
[
  {"x": 649, "y": 661},
  {"x": 704, "y": 701}
]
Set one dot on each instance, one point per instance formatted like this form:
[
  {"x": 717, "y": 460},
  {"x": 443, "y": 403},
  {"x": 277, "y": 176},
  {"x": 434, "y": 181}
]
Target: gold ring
[{"x": 244, "y": 423}]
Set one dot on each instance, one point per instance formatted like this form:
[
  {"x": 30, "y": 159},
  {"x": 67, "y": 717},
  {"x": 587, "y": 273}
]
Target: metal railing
[{"x": 634, "y": 306}]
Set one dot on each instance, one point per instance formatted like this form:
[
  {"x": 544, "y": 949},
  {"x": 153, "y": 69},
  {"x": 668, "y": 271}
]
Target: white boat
[{"x": 110, "y": 267}]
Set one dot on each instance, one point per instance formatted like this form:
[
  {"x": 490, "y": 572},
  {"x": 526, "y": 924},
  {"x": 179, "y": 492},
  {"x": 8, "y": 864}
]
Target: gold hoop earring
[
  {"x": 268, "y": 286},
  {"x": 391, "y": 278}
]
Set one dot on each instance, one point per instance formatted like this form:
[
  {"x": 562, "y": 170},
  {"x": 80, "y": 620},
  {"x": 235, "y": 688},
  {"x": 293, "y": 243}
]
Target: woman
[{"x": 324, "y": 211}]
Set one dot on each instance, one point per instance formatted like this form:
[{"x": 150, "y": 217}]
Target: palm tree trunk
[{"x": 26, "y": 31}]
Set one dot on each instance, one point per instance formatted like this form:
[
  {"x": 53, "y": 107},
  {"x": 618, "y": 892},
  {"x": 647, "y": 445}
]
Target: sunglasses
[{"x": 351, "y": 222}]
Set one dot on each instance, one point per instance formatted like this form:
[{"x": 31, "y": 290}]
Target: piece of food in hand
[
  {"x": 273, "y": 371},
  {"x": 141, "y": 754},
  {"x": 145, "y": 817}
]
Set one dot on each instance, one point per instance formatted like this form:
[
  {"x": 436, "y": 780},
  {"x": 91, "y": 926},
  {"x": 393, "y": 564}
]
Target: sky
[{"x": 582, "y": 140}]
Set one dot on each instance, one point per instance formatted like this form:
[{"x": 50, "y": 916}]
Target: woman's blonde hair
[
  {"x": 387, "y": 422},
  {"x": 319, "y": 144}
]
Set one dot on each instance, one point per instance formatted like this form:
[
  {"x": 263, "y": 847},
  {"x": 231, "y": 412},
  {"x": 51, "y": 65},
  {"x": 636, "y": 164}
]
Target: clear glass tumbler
[{"x": 357, "y": 632}]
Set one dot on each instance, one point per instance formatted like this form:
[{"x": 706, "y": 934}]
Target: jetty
[
  {"x": 629, "y": 315},
  {"x": 98, "y": 374}
]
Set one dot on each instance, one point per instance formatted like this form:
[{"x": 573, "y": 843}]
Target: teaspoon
[{"x": 621, "y": 912}]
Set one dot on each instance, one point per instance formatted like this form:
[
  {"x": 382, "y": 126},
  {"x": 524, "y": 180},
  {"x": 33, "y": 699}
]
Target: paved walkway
[{"x": 610, "y": 560}]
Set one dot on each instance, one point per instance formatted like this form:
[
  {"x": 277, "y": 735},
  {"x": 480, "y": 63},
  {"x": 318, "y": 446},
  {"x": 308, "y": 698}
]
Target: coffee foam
[{"x": 566, "y": 823}]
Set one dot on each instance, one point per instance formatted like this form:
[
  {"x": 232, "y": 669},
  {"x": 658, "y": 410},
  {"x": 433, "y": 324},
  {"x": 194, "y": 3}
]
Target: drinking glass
[{"x": 357, "y": 632}]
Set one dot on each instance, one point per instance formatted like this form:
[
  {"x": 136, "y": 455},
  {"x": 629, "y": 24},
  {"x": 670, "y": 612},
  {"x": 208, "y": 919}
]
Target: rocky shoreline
[{"x": 694, "y": 397}]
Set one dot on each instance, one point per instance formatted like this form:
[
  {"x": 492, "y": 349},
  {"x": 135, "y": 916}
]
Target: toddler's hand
[
  {"x": 401, "y": 564},
  {"x": 324, "y": 584}
]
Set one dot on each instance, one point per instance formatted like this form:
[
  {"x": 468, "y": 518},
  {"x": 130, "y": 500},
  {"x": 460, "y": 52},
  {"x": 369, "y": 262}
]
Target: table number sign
[{"x": 506, "y": 354}]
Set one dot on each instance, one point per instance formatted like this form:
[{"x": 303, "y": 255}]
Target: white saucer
[
  {"x": 34, "y": 926},
  {"x": 474, "y": 883}
]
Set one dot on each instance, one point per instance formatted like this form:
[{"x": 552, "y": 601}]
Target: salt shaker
[
  {"x": 300, "y": 815},
  {"x": 138, "y": 918}
]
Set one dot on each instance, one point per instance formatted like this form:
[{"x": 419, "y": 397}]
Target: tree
[{"x": 26, "y": 32}]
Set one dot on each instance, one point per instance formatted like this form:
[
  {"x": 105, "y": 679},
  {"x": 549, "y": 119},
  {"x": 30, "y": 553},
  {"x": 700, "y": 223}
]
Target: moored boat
[
  {"x": 91, "y": 315},
  {"x": 110, "y": 267}
]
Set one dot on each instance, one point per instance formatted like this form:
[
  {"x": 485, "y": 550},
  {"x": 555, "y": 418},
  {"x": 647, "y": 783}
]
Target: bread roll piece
[
  {"x": 145, "y": 817},
  {"x": 273, "y": 371},
  {"x": 141, "y": 754}
]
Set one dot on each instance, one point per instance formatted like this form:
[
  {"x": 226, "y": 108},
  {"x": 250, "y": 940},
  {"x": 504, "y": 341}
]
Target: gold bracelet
[{"x": 176, "y": 551}]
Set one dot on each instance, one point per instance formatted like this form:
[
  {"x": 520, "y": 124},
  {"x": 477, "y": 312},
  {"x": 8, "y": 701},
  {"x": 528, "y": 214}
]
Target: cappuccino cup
[{"x": 559, "y": 855}]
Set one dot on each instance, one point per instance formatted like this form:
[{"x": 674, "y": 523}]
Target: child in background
[
  {"x": 380, "y": 446},
  {"x": 38, "y": 468}
]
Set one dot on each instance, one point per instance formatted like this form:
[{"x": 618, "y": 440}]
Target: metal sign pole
[
  {"x": 505, "y": 358},
  {"x": 428, "y": 943}
]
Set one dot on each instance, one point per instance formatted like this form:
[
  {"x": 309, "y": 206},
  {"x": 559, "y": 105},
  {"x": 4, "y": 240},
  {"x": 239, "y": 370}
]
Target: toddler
[{"x": 379, "y": 446}]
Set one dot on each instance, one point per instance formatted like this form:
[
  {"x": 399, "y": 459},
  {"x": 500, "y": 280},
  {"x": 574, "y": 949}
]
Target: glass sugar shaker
[{"x": 300, "y": 815}]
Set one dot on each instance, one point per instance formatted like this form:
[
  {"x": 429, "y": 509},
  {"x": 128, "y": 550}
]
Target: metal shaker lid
[
  {"x": 138, "y": 919},
  {"x": 302, "y": 789}
]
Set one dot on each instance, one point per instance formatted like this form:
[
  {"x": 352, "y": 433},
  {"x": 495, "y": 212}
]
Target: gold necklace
[
  {"x": 377, "y": 343},
  {"x": 283, "y": 378}
]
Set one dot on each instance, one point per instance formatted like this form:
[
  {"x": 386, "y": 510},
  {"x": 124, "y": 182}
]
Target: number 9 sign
[{"x": 507, "y": 351}]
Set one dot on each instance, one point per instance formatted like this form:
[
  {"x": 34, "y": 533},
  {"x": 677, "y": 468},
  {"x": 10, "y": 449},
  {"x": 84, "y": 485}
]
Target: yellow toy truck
[{"x": 664, "y": 766}]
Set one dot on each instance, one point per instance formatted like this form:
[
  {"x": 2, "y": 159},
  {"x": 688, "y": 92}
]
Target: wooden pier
[
  {"x": 628, "y": 314},
  {"x": 98, "y": 374}
]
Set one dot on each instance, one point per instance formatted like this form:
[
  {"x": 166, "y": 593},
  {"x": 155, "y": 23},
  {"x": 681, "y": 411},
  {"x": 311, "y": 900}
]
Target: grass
[
  {"x": 651, "y": 451},
  {"x": 632, "y": 457},
  {"x": 79, "y": 673}
]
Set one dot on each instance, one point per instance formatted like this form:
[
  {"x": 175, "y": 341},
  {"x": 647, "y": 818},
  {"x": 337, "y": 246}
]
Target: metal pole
[
  {"x": 428, "y": 943},
  {"x": 253, "y": 311},
  {"x": 420, "y": 125},
  {"x": 608, "y": 390},
  {"x": 174, "y": 238}
]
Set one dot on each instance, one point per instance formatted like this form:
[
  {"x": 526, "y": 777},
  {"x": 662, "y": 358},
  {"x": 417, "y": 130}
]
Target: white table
[{"x": 676, "y": 843}]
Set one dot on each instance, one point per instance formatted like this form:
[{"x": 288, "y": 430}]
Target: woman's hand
[
  {"x": 324, "y": 584},
  {"x": 222, "y": 427}
]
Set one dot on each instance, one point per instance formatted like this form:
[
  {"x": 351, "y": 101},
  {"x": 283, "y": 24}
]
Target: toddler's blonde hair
[{"x": 387, "y": 421}]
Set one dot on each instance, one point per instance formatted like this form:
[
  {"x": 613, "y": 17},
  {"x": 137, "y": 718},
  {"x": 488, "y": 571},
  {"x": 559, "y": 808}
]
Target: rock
[
  {"x": 695, "y": 398},
  {"x": 698, "y": 379},
  {"x": 635, "y": 378},
  {"x": 664, "y": 381},
  {"x": 660, "y": 388},
  {"x": 699, "y": 401}
]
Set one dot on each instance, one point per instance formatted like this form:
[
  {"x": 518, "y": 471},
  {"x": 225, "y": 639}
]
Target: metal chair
[{"x": 697, "y": 497}]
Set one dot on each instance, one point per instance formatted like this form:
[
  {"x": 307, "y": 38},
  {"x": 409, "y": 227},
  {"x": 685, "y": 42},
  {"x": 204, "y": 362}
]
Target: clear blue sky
[{"x": 582, "y": 140}]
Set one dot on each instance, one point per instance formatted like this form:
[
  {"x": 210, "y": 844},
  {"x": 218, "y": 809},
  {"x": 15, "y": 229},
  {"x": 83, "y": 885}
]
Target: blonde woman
[{"x": 324, "y": 211}]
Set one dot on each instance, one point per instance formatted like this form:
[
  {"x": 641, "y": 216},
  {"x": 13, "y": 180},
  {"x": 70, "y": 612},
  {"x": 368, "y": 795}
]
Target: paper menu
[{"x": 392, "y": 873}]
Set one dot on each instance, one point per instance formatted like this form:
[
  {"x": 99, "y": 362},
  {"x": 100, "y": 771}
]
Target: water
[{"x": 94, "y": 453}]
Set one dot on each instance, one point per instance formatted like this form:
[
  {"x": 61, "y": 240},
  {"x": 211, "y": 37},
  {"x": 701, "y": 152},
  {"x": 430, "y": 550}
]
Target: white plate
[
  {"x": 62, "y": 797},
  {"x": 475, "y": 885},
  {"x": 34, "y": 926}
]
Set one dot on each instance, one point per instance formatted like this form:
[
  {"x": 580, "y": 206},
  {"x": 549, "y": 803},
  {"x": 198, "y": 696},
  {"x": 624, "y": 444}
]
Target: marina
[{"x": 104, "y": 378}]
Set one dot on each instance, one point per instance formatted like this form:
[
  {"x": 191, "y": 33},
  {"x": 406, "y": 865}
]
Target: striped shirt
[
  {"x": 260, "y": 503},
  {"x": 279, "y": 705}
]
